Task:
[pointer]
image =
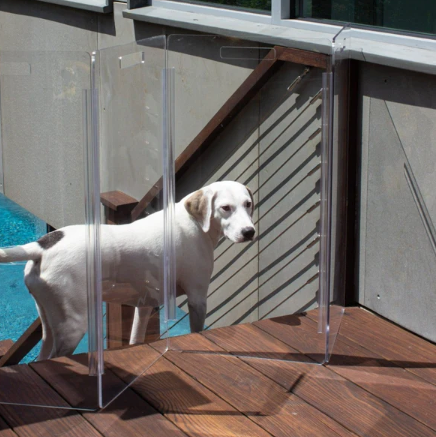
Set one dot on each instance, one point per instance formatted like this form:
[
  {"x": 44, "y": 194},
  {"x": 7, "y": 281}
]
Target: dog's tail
[{"x": 31, "y": 251}]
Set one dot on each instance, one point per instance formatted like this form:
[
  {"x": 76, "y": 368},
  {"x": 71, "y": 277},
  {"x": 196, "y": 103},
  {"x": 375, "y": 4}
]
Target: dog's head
[{"x": 227, "y": 206}]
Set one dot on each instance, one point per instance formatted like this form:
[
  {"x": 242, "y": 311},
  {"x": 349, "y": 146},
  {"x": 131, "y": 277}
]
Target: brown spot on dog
[
  {"x": 196, "y": 205},
  {"x": 49, "y": 240}
]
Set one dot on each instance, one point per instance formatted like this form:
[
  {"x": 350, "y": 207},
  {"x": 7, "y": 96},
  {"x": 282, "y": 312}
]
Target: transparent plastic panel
[
  {"x": 135, "y": 225},
  {"x": 45, "y": 106},
  {"x": 336, "y": 161},
  {"x": 248, "y": 145}
]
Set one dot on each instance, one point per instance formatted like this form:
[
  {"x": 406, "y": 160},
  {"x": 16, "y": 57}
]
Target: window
[
  {"x": 407, "y": 15},
  {"x": 261, "y": 6}
]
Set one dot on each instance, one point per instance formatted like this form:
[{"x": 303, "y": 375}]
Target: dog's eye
[
  {"x": 248, "y": 204},
  {"x": 226, "y": 208}
]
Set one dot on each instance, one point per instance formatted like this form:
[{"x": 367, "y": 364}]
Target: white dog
[{"x": 55, "y": 273}]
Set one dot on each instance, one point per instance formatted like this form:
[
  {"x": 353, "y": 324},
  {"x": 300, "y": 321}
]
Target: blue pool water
[{"x": 17, "y": 307}]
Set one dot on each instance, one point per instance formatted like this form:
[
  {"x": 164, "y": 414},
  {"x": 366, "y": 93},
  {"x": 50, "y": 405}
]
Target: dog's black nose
[{"x": 248, "y": 233}]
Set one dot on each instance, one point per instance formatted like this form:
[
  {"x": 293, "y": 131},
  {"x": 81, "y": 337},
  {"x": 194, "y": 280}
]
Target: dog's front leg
[
  {"x": 140, "y": 322},
  {"x": 197, "y": 304}
]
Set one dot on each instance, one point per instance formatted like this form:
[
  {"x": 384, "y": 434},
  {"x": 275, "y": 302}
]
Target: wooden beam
[
  {"x": 117, "y": 207},
  {"x": 23, "y": 345},
  {"x": 311, "y": 59}
]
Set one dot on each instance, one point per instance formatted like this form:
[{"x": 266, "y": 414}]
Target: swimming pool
[
  {"x": 17, "y": 307},
  {"x": 18, "y": 311}
]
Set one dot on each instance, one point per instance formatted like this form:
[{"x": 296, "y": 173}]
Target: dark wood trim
[
  {"x": 23, "y": 345},
  {"x": 298, "y": 56},
  {"x": 117, "y": 199},
  {"x": 117, "y": 207}
]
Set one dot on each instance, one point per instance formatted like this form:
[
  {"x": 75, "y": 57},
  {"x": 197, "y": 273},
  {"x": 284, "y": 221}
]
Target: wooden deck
[{"x": 380, "y": 382}]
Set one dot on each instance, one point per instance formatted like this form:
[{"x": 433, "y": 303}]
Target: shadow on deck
[{"x": 381, "y": 381}]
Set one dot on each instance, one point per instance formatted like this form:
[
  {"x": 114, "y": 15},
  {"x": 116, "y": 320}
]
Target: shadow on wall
[{"x": 273, "y": 146}]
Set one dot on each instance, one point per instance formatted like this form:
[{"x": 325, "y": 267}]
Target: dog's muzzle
[{"x": 248, "y": 233}]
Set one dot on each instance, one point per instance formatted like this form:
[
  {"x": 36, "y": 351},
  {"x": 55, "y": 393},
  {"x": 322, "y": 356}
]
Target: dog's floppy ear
[
  {"x": 252, "y": 200},
  {"x": 199, "y": 205}
]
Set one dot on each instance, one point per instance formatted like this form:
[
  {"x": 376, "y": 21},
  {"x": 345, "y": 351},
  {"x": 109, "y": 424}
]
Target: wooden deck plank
[
  {"x": 200, "y": 389},
  {"x": 5, "y": 431},
  {"x": 128, "y": 416},
  {"x": 183, "y": 400},
  {"x": 296, "y": 331},
  {"x": 305, "y": 57},
  {"x": 341, "y": 399},
  {"x": 383, "y": 378},
  {"x": 20, "y": 384},
  {"x": 5, "y": 345},
  {"x": 27, "y": 341},
  {"x": 236, "y": 339},
  {"x": 405, "y": 349},
  {"x": 266, "y": 403}
]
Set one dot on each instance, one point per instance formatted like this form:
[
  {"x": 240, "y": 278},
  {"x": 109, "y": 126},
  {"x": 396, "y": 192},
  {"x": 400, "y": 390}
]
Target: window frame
[{"x": 281, "y": 15}]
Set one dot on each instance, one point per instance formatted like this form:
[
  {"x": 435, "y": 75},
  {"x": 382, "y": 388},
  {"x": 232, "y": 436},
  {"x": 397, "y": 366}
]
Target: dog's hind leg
[
  {"x": 197, "y": 304},
  {"x": 47, "y": 337},
  {"x": 64, "y": 319},
  {"x": 31, "y": 279}
]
